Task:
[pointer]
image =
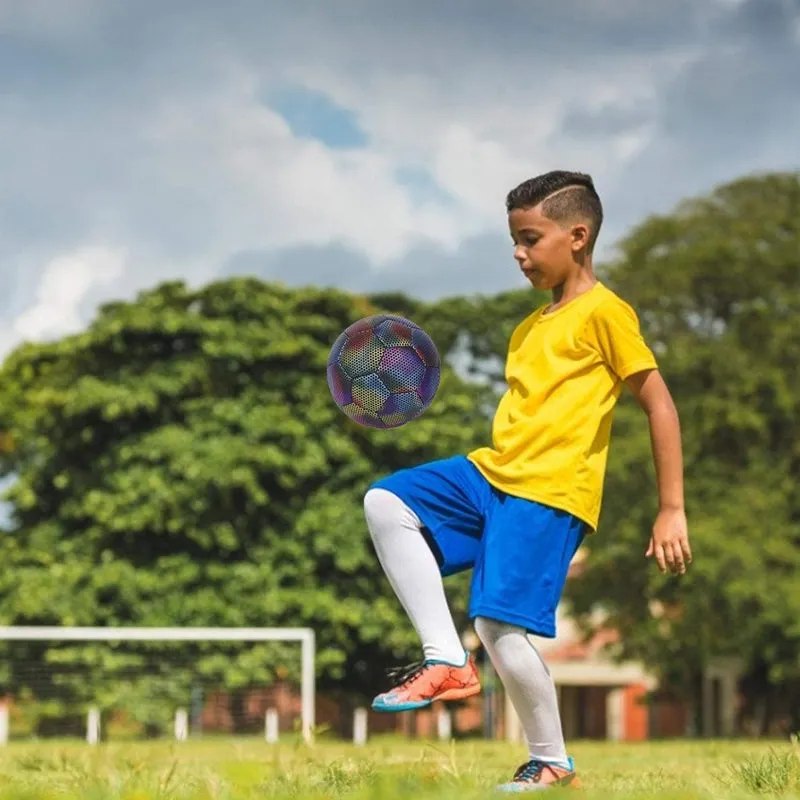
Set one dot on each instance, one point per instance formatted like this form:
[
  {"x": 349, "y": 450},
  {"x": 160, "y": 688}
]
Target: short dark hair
[{"x": 575, "y": 199}]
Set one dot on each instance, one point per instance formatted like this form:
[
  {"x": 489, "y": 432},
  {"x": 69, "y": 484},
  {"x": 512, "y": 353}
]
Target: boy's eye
[{"x": 526, "y": 240}]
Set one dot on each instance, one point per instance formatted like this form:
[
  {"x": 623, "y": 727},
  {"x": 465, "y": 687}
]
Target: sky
[{"x": 363, "y": 144}]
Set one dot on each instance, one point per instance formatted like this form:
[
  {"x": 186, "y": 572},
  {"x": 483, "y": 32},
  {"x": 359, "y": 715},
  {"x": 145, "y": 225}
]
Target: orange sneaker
[
  {"x": 418, "y": 685},
  {"x": 535, "y": 775}
]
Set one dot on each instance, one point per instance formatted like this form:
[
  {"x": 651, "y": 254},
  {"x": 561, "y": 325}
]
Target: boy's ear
[{"x": 580, "y": 236}]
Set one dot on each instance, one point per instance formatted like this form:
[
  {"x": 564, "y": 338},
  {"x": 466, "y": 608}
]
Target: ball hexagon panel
[
  {"x": 402, "y": 403},
  {"x": 401, "y": 369},
  {"x": 361, "y": 355},
  {"x": 370, "y": 393},
  {"x": 394, "y": 333},
  {"x": 358, "y": 414},
  {"x": 400, "y": 408}
]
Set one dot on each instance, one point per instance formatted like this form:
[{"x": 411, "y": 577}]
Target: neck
[{"x": 574, "y": 286}]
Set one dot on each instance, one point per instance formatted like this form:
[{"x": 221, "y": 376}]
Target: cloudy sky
[{"x": 363, "y": 143}]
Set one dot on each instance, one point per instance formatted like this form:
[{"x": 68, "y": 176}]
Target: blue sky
[
  {"x": 314, "y": 115},
  {"x": 366, "y": 145}
]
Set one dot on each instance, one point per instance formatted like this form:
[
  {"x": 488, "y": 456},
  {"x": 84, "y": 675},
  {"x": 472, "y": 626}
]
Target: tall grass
[{"x": 387, "y": 769}]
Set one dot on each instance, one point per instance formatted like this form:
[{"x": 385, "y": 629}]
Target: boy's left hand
[{"x": 670, "y": 542}]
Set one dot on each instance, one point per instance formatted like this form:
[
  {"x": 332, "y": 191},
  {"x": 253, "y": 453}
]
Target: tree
[
  {"x": 181, "y": 462},
  {"x": 717, "y": 288}
]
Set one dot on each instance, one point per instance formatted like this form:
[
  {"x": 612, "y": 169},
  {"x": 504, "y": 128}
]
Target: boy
[{"x": 516, "y": 512}]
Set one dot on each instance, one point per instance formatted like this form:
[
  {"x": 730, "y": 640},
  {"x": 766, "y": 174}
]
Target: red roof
[{"x": 576, "y": 649}]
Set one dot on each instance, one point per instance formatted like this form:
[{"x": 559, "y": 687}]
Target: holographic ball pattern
[{"x": 383, "y": 371}]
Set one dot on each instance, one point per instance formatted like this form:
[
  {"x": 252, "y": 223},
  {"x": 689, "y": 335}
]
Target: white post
[
  {"x": 181, "y": 725},
  {"x": 360, "y": 727},
  {"x": 728, "y": 711},
  {"x": 444, "y": 724},
  {"x": 615, "y": 714},
  {"x": 708, "y": 706},
  {"x": 93, "y": 726},
  {"x": 3, "y": 722},
  {"x": 307, "y": 685},
  {"x": 568, "y": 703},
  {"x": 85, "y": 634},
  {"x": 271, "y": 730}
]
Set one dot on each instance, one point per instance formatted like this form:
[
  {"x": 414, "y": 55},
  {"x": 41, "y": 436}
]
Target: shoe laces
[
  {"x": 530, "y": 772},
  {"x": 400, "y": 676}
]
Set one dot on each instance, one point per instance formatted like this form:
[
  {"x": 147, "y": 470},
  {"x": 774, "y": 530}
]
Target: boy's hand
[{"x": 670, "y": 542}]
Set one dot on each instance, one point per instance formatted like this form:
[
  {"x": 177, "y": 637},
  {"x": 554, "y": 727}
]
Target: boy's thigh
[
  {"x": 522, "y": 565},
  {"x": 449, "y": 496}
]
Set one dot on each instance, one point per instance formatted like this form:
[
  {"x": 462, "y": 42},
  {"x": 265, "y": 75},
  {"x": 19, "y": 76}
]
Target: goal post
[{"x": 305, "y": 636}]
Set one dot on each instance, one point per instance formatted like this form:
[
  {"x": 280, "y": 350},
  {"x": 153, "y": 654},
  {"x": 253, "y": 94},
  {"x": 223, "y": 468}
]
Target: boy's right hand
[{"x": 669, "y": 543}]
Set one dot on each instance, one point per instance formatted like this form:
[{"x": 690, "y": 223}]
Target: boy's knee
[
  {"x": 384, "y": 510},
  {"x": 380, "y": 505},
  {"x": 373, "y": 500},
  {"x": 490, "y": 630}
]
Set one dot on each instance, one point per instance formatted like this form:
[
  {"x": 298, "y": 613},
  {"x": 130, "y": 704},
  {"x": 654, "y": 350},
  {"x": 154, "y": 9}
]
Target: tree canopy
[
  {"x": 181, "y": 462},
  {"x": 717, "y": 288}
]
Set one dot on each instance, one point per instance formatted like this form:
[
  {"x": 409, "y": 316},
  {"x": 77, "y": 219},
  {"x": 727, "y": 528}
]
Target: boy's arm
[{"x": 670, "y": 540}]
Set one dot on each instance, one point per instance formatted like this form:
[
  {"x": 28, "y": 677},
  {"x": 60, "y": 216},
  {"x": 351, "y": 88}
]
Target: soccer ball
[{"x": 383, "y": 371}]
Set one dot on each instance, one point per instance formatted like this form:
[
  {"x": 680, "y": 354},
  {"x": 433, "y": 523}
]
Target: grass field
[{"x": 387, "y": 769}]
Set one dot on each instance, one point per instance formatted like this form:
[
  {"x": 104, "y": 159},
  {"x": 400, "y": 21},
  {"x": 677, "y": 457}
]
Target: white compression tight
[
  {"x": 531, "y": 689},
  {"x": 414, "y": 575}
]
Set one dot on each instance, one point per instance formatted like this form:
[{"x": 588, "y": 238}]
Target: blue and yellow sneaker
[{"x": 536, "y": 775}]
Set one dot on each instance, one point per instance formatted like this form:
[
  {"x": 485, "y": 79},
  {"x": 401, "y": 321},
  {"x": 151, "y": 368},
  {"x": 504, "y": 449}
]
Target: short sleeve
[{"x": 613, "y": 332}]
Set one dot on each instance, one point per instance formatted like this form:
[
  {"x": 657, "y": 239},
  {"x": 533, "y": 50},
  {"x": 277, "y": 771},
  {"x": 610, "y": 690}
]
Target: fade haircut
[{"x": 566, "y": 197}]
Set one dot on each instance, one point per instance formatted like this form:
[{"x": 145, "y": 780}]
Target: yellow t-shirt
[{"x": 552, "y": 427}]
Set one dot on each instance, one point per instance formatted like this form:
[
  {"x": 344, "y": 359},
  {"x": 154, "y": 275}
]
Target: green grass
[{"x": 387, "y": 769}]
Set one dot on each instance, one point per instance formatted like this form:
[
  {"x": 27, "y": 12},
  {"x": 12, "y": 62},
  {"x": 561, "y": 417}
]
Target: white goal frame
[{"x": 305, "y": 636}]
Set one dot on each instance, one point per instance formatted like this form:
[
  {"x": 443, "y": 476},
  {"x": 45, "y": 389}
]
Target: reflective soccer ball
[{"x": 383, "y": 371}]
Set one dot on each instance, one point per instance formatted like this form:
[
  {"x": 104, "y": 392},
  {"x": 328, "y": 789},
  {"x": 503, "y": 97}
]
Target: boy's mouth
[{"x": 533, "y": 275}]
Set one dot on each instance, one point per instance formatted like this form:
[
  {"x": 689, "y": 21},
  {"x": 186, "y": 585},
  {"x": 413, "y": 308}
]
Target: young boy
[{"x": 516, "y": 512}]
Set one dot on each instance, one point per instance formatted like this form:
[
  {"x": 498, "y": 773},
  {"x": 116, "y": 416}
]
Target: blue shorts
[{"x": 519, "y": 550}]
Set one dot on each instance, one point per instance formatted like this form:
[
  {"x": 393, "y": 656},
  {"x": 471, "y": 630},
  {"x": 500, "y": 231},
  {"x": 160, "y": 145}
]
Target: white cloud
[
  {"x": 145, "y": 126},
  {"x": 285, "y": 190},
  {"x": 478, "y": 172},
  {"x": 65, "y": 283}
]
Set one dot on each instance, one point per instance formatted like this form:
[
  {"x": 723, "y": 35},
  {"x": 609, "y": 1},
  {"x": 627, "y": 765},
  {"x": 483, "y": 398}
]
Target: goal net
[{"x": 128, "y": 683}]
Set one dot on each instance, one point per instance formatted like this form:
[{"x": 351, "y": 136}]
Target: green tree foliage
[
  {"x": 181, "y": 463},
  {"x": 717, "y": 287}
]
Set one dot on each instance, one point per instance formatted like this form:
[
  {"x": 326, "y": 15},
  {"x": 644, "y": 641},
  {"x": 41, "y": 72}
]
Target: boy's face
[{"x": 544, "y": 250}]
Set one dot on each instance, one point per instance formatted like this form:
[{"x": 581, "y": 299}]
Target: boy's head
[{"x": 554, "y": 220}]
